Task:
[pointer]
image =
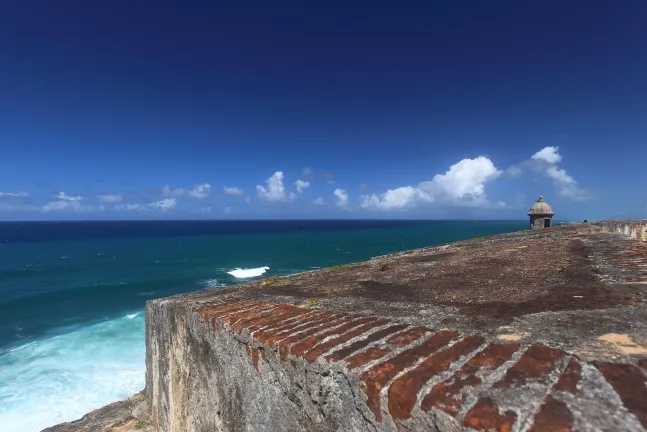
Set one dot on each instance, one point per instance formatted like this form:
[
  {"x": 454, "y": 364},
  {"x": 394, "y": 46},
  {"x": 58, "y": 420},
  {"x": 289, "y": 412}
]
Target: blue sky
[{"x": 147, "y": 110}]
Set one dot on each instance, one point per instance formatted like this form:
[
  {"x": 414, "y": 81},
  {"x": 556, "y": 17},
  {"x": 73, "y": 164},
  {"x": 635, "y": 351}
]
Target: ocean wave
[
  {"x": 213, "y": 283},
  {"x": 248, "y": 273},
  {"x": 71, "y": 374},
  {"x": 131, "y": 316}
]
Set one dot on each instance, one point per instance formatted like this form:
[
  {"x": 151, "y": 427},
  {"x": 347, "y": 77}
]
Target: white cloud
[
  {"x": 399, "y": 198},
  {"x": 319, "y": 201},
  {"x": 465, "y": 179},
  {"x": 342, "y": 197},
  {"x": 228, "y": 210},
  {"x": 548, "y": 154},
  {"x": 463, "y": 184},
  {"x": 201, "y": 191},
  {"x": 110, "y": 198},
  {"x": 301, "y": 185},
  {"x": 164, "y": 205},
  {"x": 65, "y": 202},
  {"x": 161, "y": 205},
  {"x": 545, "y": 161},
  {"x": 20, "y": 194},
  {"x": 198, "y": 191},
  {"x": 62, "y": 196},
  {"x": 275, "y": 190},
  {"x": 233, "y": 191}
]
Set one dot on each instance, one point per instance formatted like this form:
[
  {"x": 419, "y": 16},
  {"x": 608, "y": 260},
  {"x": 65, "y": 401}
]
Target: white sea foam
[
  {"x": 62, "y": 378},
  {"x": 248, "y": 273},
  {"x": 213, "y": 283}
]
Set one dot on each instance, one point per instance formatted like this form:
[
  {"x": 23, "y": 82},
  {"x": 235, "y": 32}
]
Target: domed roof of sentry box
[{"x": 541, "y": 207}]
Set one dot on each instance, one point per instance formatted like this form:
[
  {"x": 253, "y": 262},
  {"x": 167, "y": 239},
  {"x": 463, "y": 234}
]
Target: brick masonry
[{"x": 404, "y": 373}]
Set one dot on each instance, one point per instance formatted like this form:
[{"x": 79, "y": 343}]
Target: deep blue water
[{"x": 72, "y": 293}]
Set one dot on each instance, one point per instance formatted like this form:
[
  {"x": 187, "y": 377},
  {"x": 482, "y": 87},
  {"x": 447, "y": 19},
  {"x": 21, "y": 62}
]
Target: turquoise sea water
[{"x": 72, "y": 294}]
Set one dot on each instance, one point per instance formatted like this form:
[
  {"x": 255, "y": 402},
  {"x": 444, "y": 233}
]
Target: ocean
[{"x": 72, "y": 294}]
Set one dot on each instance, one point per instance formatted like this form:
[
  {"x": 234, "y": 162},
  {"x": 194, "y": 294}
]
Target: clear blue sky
[{"x": 462, "y": 109}]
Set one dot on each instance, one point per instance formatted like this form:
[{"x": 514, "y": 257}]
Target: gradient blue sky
[{"x": 462, "y": 109}]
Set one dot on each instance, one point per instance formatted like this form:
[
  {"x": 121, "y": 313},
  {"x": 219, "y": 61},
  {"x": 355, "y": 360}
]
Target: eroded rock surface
[{"x": 128, "y": 415}]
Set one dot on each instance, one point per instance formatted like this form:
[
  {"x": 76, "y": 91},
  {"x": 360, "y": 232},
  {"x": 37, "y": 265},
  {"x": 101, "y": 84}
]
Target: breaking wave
[
  {"x": 71, "y": 374},
  {"x": 248, "y": 273}
]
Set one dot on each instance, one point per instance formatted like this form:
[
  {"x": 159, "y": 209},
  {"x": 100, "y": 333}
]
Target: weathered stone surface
[
  {"x": 141, "y": 411},
  {"x": 485, "y": 416},
  {"x": 116, "y": 417},
  {"x": 489, "y": 334},
  {"x": 447, "y": 396}
]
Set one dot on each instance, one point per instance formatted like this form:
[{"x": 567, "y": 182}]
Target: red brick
[
  {"x": 284, "y": 345},
  {"x": 271, "y": 321},
  {"x": 300, "y": 348},
  {"x": 537, "y": 362},
  {"x": 364, "y": 357},
  {"x": 277, "y": 314},
  {"x": 233, "y": 308},
  {"x": 409, "y": 336},
  {"x": 447, "y": 396},
  {"x": 272, "y": 337},
  {"x": 356, "y": 346},
  {"x": 217, "y": 311},
  {"x": 629, "y": 382},
  {"x": 377, "y": 376},
  {"x": 264, "y": 334},
  {"x": 570, "y": 377},
  {"x": 234, "y": 317},
  {"x": 213, "y": 314},
  {"x": 321, "y": 348},
  {"x": 554, "y": 416},
  {"x": 404, "y": 390},
  {"x": 304, "y": 327},
  {"x": 485, "y": 416}
]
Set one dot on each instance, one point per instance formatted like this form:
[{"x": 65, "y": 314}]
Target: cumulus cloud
[
  {"x": 342, "y": 197},
  {"x": 301, "y": 185},
  {"x": 549, "y": 155},
  {"x": 233, "y": 191},
  {"x": 65, "y": 202},
  {"x": 161, "y": 205},
  {"x": 319, "y": 201},
  {"x": 546, "y": 161},
  {"x": 110, "y": 198},
  {"x": 62, "y": 196},
  {"x": 164, "y": 205},
  {"x": 463, "y": 184},
  {"x": 198, "y": 191},
  {"x": 400, "y": 198},
  {"x": 275, "y": 190},
  {"x": 465, "y": 179}
]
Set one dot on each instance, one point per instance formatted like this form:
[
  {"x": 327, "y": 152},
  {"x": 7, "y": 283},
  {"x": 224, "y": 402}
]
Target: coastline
[{"x": 281, "y": 286}]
